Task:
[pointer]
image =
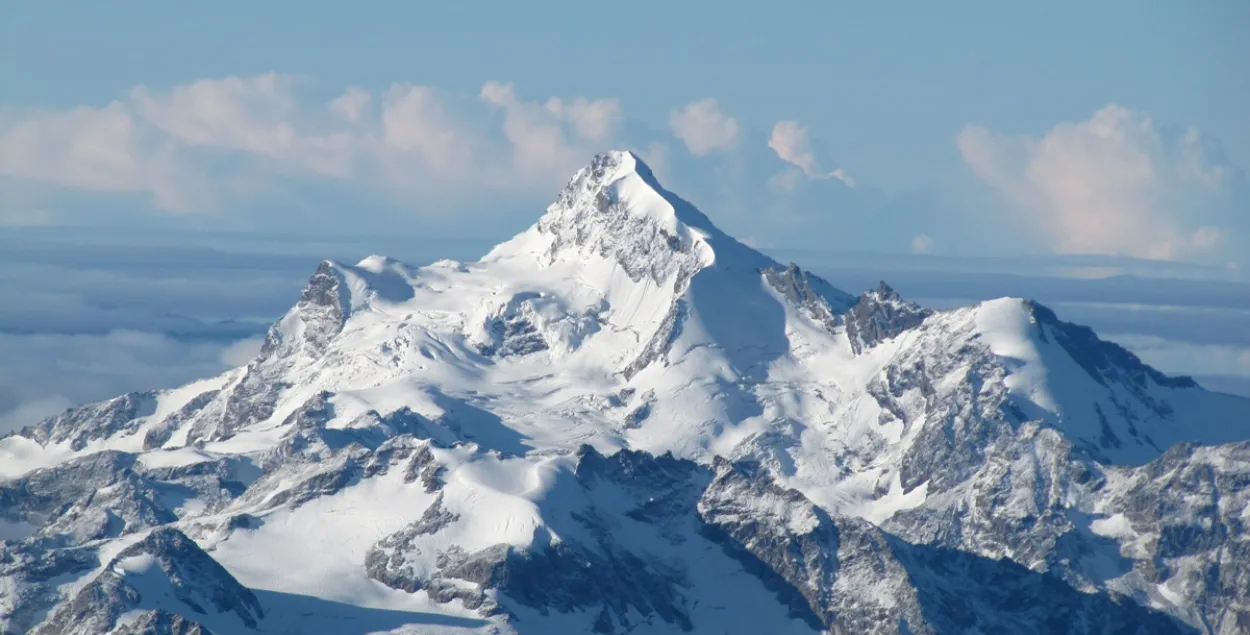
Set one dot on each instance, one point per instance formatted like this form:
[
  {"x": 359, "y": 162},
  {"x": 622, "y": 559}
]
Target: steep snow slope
[{"x": 430, "y": 447}]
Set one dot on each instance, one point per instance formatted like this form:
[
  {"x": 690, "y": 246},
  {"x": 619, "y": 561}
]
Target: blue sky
[
  {"x": 956, "y": 119},
  {"x": 171, "y": 172}
]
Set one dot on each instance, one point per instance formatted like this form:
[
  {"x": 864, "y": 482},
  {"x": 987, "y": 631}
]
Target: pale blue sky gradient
[
  {"x": 885, "y": 85},
  {"x": 883, "y": 89}
]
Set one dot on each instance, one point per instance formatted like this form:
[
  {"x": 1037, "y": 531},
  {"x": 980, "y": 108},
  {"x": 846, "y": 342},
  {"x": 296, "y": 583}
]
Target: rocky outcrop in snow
[
  {"x": 624, "y": 420},
  {"x": 879, "y": 315},
  {"x": 165, "y": 571},
  {"x": 78, "y": 426}
]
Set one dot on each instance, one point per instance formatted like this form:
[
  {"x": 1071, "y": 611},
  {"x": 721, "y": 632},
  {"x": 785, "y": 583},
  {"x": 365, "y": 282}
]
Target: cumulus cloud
[
  {"x": 352, "y": 106},
  {"x": 95, "y": 149},
  {"x": 550, "y": 138},
  {"x": 1112, "y": 184},
  {"x": 191, "y": 147},
  {"x": 792, "y": 143},
  {"x": 703, "y": 127}
]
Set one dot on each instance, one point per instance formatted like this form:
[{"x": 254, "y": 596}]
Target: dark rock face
[
  {"x": 661, "y": 342},
  {"x": 1189, "y": 505},
  {"x": 163, "y": 623},
  {"x": 562, "y": 576},
  {"x": 879, "y": 315},
  {"x": 252, "y": 398},
  {"x": 1104, "y": 361},
  {"x": 847, "y": 576},
  {"x": 323, "y": 306},
  {"x": 33, "y": 568},
  {"x": 1178, "y": 516},
  {"x": 86, "y": 423},
  {"x": 193, "y": 578},
  {"x": 836, "y": 574},
  {"x": 42, "y": 492},
  {"x": 800, "y": 566},
  {"x": 198, "y": 581},
  {"x": 109, "y": 494},
  {"x": 159, "y": 435},
  {"x": 511, "y": 332},
  {"x": 809, "y": 293},
  {"x": 323, "y": 309}
]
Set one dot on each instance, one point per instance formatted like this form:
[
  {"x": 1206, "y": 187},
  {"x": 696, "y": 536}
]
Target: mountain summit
[{"x": 622, "y": 420}]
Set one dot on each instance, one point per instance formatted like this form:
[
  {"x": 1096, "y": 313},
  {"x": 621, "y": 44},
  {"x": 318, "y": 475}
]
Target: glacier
[{"x": 623, "y": 420}]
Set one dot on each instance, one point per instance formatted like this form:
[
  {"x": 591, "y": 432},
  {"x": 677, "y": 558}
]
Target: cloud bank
[
  {"x": 276, "y": 151},
  {"x": 196, "y": 147}
]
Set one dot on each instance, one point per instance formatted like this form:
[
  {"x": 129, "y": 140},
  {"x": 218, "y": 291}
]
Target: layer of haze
[{"x": 96, "y": 315}]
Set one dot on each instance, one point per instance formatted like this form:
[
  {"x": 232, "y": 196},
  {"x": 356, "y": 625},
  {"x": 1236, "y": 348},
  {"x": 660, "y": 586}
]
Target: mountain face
[{"x": 625, "y": 421}]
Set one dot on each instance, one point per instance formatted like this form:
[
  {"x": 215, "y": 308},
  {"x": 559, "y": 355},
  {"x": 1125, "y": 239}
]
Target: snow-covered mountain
[{"x": 625, "y": 421}]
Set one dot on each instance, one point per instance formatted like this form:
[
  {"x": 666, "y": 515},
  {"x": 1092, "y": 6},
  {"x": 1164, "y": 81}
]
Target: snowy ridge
[{"x": 624, "y": 420}]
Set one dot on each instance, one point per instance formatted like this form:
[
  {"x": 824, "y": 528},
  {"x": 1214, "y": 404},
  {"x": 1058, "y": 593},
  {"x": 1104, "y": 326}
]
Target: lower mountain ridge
[{"x": 625, "y": 421}]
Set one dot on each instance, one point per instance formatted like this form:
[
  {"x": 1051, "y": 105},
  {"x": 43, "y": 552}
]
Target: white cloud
[
  {"x": 792, "y": 143},
  {"x": 922, "y": 244},
  {"x": 548, "y": 140},
  {"x": 703, "y": 127},
  {"x": 595, "y": 120},
  {"x": 1112, "y": 184},
  {"x": 91, "y": 148},
  {"x": 192, "y": 147},
  {"x": 253, "y": 114},
  {"x": 841, "y": 175},
  {"x": 352, "y": 105}
]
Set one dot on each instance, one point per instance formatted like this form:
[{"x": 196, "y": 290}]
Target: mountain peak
[
  {"x": 617, "y": 183},
  {"x": 614, "y": 208},
  {"x": 616, "y": 163},
  {"x": 885, "y": 292}
]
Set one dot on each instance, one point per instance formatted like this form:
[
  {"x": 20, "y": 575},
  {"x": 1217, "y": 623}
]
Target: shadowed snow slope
[{"x": 624, "y": 420}]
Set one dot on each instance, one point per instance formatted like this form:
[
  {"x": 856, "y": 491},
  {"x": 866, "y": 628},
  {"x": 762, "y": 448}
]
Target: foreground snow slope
[{"x": 624, "y": 420}]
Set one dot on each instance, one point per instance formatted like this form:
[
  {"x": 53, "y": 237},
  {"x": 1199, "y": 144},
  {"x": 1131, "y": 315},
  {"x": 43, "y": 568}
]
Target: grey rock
[
  {"x": 194, "y": 579},
  {"x": 87, "y": 423},
  {"x": 510, "y": 332},
  {"x": 42, "y": 493},
  {"x": 160, "y": 434},
  {"x": 162, "y": 623},
  {"x": 32, "y": 569},
  {"x": 658, "y": 346},
  {"x": 820, "y": 300},
  {"x": 879, "y": 315}
]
